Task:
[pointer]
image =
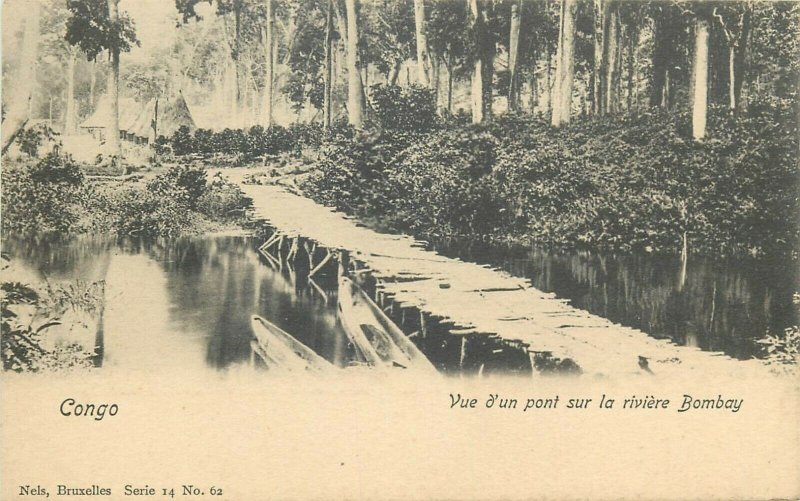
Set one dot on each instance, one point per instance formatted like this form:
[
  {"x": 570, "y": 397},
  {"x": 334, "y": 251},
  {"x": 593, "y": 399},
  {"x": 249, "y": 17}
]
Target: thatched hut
[
  {"x": 140, "y": 130},
  {"x": 97, "y": 123},
  {"x": 159, "y": 118},
  {"x": 175, "y": 114}
]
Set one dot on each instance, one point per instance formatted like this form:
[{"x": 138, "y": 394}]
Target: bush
[
  {"x": 52, "y": 197},
  {"x": 223, "y": 201},
  {"x": 44, "y": 198},
  {"x": 182, "y": 182},
  {"x": 249, "y": 144},
  {"x": 140, "y": 211},
  {"x": 182, "y": 141},
  {"x": 32, "y": 138},
  {"x": 630, "y": 183},
  {"x": 408, "y": 109},
  {"x": 443, "y": 184}
]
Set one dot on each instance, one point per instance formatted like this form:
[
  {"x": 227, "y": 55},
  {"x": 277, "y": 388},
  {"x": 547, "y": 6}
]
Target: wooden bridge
[{"x": 480, "y": 300}]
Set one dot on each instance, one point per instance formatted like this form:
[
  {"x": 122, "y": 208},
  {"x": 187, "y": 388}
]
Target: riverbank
[
  {"x": 630, "y": 184},
  {"x": 54, "y": 195}
]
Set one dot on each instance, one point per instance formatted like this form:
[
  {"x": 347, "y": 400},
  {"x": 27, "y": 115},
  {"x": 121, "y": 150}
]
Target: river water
[
  {"x": 719, "y": 305},
  {"x": 180, "y": 304}
]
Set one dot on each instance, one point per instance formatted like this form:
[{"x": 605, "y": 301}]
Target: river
[{"x": 180, "y": 304}]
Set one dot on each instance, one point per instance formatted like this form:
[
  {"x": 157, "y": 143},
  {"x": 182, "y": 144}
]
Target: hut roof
[
  {"x": 99, "y": 119},
  {"x": 169, "y": 115},
  {"x": 142, "y": 124},
  {"x": 173, "y": 115}
]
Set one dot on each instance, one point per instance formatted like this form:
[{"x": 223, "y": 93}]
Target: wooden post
[
  {"x": 293, "y": 249},
  {"x": 423, "y": 328},
  {"x": 344, "y": 262},
  {"x": 321, "y": 264},
  {"x": 463, "y": 352}
]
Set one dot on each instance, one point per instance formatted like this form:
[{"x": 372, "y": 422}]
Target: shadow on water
[
  {"x": 718, "y": 305},
  {"x": 208, "y": 288},
  {"x": 189, "y": 301}
]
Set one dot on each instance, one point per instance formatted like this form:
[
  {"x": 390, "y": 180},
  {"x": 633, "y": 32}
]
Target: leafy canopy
[{"x": 91, "y": 29}]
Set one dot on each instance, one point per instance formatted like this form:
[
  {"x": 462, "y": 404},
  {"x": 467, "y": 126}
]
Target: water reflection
[
  {"x": 723, "y": 305},
  {"x": 187, "y": 302},
  {"x": 181, "y": 303}
]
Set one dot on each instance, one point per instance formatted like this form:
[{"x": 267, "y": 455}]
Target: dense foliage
[
  {"x": 31, "y": 314},
  {"x": 44, "y": 198},
  {"x": 53, "y": 196},
  {"x": 249, "y": 144},
  {"x": 629, "y": 183}
]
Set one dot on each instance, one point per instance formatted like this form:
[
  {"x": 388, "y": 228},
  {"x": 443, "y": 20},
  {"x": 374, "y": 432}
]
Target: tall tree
[
  {"x": 246, "y": 17},
  {"x": 565, "y": 65},
  {"x": 449, "y": 27},
  {"x": 54, "y": 47},
  {"x": 668, "y": 38},
  {"x": 734, "y": 20},
  {"x": 423, "y": 60},
  {"x": 355, "y": 88},
  {"x": 95, "y": 26},
  {"x": 112, "y": 89},
  {"x": 483, "y": 62},
  {"x": 700, "y": 77},
  {"x": 21, "y": 95},
  {"x": 597, "y": 58},
  {"x": 610, "y": 79},
  {"x": 328, "y": 90},
  {"x": 269, "y": 59},
  {"x": 513, "y": 56}
]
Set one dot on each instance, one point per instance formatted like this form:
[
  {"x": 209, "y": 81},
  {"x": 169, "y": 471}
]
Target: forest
[
  {"x": 626, "y": 124},
  {"x": 638, "y": 127}
]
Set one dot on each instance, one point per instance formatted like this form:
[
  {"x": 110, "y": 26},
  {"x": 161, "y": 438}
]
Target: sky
[{"x": 155, "y": 22}]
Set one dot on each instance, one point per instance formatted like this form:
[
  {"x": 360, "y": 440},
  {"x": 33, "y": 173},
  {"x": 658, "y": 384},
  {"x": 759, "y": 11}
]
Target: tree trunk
[
  {"x": 482, "y": 69},
  {"x": 112, "y": 137},
  {"x": 21, "y": 92},
  {"x": 450, "y": 90},
  {"x": 237, "y": 48},
  {"x": 513, "y": 51},
  {"x": 266, "y": 106},
  {"x": 700, "y": 78},
  {"x": 423, "y": 60},
  {"x": 740, "y": 59},
  {"x": 395, "y": 72},
  {"x": 70, "y": 125},
  {"x": 611, "y": 52},
  {"x": 633, "y": 42},
  {"x": 92, "y": 84},
  {"x": 355, "y": 90},
  {"x": 732, "y": 77},
  {"x": 661, "y": 60},
  {"x": 328, "y": 105},
  {"x": 565, "y": 65},
  {"x": 549, "y": 87},
  {"x": 532, "y": 85},
  {"x": 436, "y": 68},
  {"x": 477, "y": 70},
  {"x": 597, "y": 70}
]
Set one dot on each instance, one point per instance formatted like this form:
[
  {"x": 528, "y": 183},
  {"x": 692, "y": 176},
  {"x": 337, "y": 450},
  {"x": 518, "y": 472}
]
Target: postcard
[{"x": 400, "y": 249}]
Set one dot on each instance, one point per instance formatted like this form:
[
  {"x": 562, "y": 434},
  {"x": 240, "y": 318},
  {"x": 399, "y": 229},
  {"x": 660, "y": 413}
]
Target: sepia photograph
[{"x": 479, "y": 211}]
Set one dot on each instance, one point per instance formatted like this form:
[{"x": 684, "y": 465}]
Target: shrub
[
  {"x": 632, "y": 183},
  {"x": 27, "y": 317},
  {"x": 223, "y": 200},
  {"x": 409, "y": 109},
  {"x": 182, "y": 182},
  {"x": 140, "y": 211},
  {"x": 42, "y": 199},
  {"x": 182, "y": 141},
  {"x": 32, "y": 138}
]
